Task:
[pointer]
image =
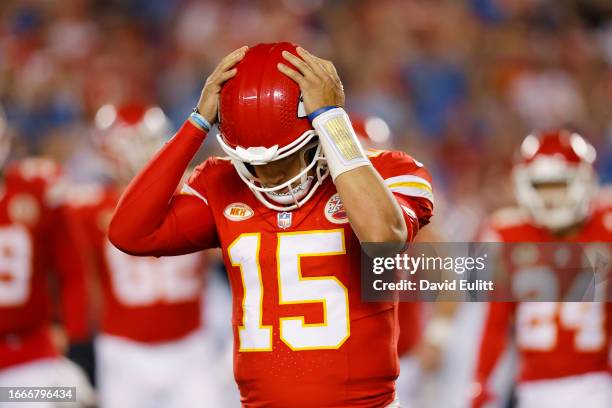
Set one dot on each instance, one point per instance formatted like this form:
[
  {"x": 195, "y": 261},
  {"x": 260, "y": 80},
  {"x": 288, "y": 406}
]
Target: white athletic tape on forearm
[{"x": 339, "y": 142}]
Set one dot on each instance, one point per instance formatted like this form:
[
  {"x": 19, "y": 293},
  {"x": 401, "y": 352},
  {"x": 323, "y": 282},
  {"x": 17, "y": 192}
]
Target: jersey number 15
[{"x": 293, "y": 288}]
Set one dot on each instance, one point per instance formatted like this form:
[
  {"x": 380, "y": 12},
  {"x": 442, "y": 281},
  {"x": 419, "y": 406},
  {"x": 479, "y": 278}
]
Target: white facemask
[
  {"x": 292, "y": 193},
  {"x": 571, "y": 207}
]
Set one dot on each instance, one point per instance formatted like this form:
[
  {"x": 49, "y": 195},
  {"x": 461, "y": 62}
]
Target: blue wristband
[
  {"x": 319, "y": 111},
  {"x": 200, "y": 120}
]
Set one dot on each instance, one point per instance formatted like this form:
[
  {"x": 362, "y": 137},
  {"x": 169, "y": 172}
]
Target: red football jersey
[
  {"x": 37, "y": 237},
  {"x": 410, "y": 316},
  {"x": 302, "y": 335},
  {"x": 554, "y": 339},
  {"x": 303, "y": 338},
  {"x": 144, "y": 299}
]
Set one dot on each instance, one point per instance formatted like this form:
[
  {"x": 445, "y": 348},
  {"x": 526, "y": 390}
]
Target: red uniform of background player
[
  {"x": 37, "y": 241},
  {"x": 563, "y": 347},
  {"x": 137, "y": 291},
  {"x": 302, "y": 336},
  {"x": 36, "y": 238},
  {"x": 151, "y": 349}
]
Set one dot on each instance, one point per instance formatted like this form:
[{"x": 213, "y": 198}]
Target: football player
[
  {"x": 38, "y": 240},
  {"x": 563, "y": 347},
  {"x": 289, "y": 207},
  {"x": 151, "y": 350}
]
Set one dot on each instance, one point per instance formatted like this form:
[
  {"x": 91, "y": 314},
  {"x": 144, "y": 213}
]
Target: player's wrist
[
  {"x": 191, "y": 130},
  {"x": 199, "y": 120},
  {"x": 312, "y": 115},
  {"x": 339, "y": 143}
]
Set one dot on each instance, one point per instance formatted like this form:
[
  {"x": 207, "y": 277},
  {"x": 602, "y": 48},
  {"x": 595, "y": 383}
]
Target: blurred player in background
[
  {"x": 38, "y": 240},
  {"x": 151, "y": 350},
  {"x": 563, "y": 347}
]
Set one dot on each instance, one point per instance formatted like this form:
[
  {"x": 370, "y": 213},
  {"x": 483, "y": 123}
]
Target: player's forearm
[
  {"x": 145, "y": 202},
  {"x": 373, "y": 212}
]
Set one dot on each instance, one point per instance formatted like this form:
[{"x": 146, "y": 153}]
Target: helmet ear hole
[
  {"x": 250, "y": 168},
  {"x": 311, "y": 150}
]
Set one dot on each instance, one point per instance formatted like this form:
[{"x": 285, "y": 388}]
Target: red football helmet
[
  {"x": 129, "y": 135},
  {"x": 262, "y": 119},
  {"x": 558, "y": 158}
]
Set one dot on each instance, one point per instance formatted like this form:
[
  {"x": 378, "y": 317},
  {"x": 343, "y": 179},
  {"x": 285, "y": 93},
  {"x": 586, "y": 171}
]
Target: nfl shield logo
[{"x": 284, "y": 219}]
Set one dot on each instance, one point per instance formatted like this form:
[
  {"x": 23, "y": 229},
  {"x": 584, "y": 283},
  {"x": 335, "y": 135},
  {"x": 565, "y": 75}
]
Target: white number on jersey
[
  {"x": 142, "y": 281},
  {"x": 293, "y": 289},
  {"x": 538, "y": 324},
  {"x": 15, "y": 266}
]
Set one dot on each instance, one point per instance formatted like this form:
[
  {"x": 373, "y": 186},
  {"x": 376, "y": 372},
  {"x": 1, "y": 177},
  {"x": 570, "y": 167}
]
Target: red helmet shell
[
  {"x": 570, "y": 147},
  {"x": 259, "y": 107}
]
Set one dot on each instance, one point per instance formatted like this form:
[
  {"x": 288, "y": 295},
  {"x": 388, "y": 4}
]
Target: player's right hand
[{"x": 208, "y": 103}]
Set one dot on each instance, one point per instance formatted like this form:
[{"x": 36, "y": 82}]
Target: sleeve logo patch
[
  {"x": 334, "y": 210},
  {"x": 238, "y": 212}
]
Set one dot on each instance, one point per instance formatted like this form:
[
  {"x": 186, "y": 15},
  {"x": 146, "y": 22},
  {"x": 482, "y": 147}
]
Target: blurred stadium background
[{"x": 459, "y": 82}]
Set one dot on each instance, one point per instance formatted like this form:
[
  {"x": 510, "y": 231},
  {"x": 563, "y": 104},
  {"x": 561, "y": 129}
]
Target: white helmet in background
[
  {"x": 372, "y": 131},
  {"x": 129, "y": 135},
  {"x": 554, "y": 178}
]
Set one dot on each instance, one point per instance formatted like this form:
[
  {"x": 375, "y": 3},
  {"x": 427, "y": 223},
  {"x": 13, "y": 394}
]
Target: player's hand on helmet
[
  {"x": 317, "y": 78},
  {"x": 207, "y": 105}
]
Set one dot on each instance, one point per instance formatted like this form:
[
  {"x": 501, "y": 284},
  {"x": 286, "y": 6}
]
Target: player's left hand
[{"x": 317, "y": 78}]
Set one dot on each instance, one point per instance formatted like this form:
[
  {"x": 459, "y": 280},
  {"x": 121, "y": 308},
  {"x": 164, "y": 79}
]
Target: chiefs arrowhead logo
[
  {"x": 334, "y": 210},
  {"x": 238, "y": 212}
]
